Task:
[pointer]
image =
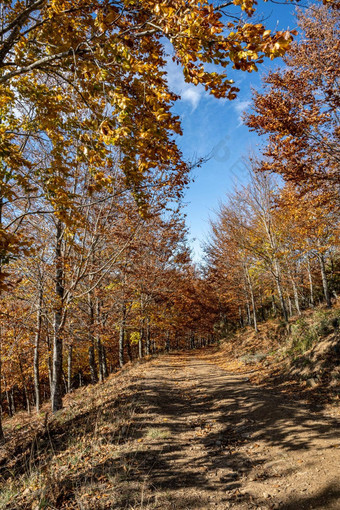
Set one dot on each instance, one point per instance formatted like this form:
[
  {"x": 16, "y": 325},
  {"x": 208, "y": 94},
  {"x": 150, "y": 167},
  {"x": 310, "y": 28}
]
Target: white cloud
[
  {"x": 240, "y": 107},
  {"x": 189, "y": 93},
  {"x": 192, "y": 96}
]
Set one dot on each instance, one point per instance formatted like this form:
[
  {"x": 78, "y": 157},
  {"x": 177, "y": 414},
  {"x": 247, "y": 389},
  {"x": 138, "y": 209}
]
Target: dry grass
[
  {"x": 302, "y": 355},
  {"x": 80, "y": 458}
]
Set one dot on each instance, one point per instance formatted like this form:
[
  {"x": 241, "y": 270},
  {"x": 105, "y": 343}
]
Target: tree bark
[
  {"x": 248, "y": 313},
  {"x": 92, "y": 361},
  {"x": 121, "y": 337},
  {"x": 2, "y": 435},
  {"x": 290, "y": 305},
  {"x": 141, "y": 342},
  {"x": 99, "y": 349},
  {"x": 311, "y": 289},
  {"x": 104, "y": 362},
  {"x": 263, "y": 316},
  {"x": 92, "y": 355},
  {"x": 252, "y": 297},
  {"x": 49, "y": 353},
  {"x": 241, "y": 316},
  {"x": 128, "y": 345},
  {"x": 69, "y": 367},
  {"x": 141, "y": 332},
  {"x": 324, "y": 280},
  {"x": 279, "y": 290},
  {"x": 11, "y": 395},
  {"x": 57, "y": 360},
  {"x": 167, "y": 341},
  {"x": 26, "y": 392},
  {"x": 273, "y": 304},
  {"x": 10, "y": 412},
  {"x": 102, "y": 366},
  {"x": 36, "y": 360},
  {"x": 147, "y": 339},
  {"x": 295, "y": 294},
  {"x": 245, "y": 291}
]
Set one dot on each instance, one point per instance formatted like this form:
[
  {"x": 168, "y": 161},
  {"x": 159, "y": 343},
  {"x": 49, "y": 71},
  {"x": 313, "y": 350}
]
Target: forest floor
[
  {"x": 179, "y": 432},
  {"x": 224, "y": 443}
]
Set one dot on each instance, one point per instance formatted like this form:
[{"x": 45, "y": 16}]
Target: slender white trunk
[
  {"x": 324, "y": 280},
  {"x": 57, "y": 359},
  {"x": 311, "y": 290},
  {"x": 37, "y": 352}
]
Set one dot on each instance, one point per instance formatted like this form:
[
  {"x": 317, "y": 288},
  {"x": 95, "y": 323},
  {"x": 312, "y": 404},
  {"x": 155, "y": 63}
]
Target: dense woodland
[{"x": 95, "y": 266}]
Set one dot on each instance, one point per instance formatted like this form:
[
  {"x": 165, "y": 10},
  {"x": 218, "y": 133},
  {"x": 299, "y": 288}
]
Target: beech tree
[
  {"x": 90, "y": 256},
  {"x": 269, "y": 245},
  {"x": 298, "y": 107},
  {"x": 108, "y": 58},
  {"x": 124, "y": 279},
  {"x": 77, "y": 79}
]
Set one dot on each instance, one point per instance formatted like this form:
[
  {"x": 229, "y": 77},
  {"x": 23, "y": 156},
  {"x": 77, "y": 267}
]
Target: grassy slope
[
  {"x": 303, "y": 355},
  {"x": 77, "y": 458}
]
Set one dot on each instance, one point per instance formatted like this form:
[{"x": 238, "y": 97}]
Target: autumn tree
[
  {"x": 267, "y": 245},
  {"x": 88, "y": 162},
  {"x": 298, "y": 107}
]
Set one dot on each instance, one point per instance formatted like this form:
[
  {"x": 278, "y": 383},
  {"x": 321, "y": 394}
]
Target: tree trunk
[
  {"x": 279, "y": 289},
  {"x": 252, "y": 297},
  {"x": 104, "y": 362},
  {"x": 65, "y": 383},
  {"x": 324, "y": 280},
  {"x": 69, "y": 367},
  {"x": 49, "y": 352},
  {"x": 241, "y": 316},
  {"x": 11, "y": 395},
  {"x": 57, "y": 360},
  {"x": 121, "y": 337},
  {"x": 141, "y": 332},
  {"x": 128, "y": 345},
  {"x": 100, "y": 354},
  {"x": 37, "y": 352},
  {"x": 248, "y": 313},
  {"x": 263, "y": 316},
  {"x": 147, "y": 339},
  {"x": 290, "y": 306},
  {"x": 273, "y": 304},
  {"x": 311, "y": 289},
  {"x": 26, "y": 392},
  {"x": 2, "y": 436},
  {"x": 8, "y": 398},
  {"x": 102, "y": 366},
  {"x": 167, "y": 341},
  {"x": 141, "y": 341},
  {"x": 92, "y": 355},
  {"x": 296, "y": 295},
  {"x": 92, "y": 361}
]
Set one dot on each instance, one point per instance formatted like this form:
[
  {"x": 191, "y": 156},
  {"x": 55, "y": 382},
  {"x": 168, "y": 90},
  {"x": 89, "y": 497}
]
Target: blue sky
[{"x": 215, "y": 127}]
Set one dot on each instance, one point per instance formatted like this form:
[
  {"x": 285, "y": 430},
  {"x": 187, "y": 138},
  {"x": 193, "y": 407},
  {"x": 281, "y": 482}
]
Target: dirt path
[{"x": 209, "y": 439}]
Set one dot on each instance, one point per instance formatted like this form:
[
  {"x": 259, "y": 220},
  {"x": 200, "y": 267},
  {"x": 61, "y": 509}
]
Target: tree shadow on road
[{"x": 195, "y": 440}]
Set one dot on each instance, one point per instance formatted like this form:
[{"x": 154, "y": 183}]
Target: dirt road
[{"x": 210, "y": 439}]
